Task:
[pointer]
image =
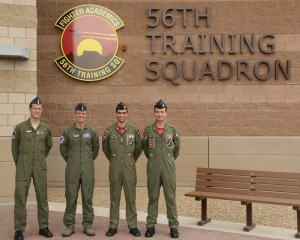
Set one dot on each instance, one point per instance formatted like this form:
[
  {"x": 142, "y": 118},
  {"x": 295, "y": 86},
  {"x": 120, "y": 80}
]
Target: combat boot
[
  {"x": 174, "y": 233},
  {"x": 68, "y": 232},
  {"x": 88, "y": 230},
  {"x": 19, "y": 235}
]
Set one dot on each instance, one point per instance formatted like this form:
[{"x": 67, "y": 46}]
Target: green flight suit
[
  {"x": 161, "y": 152},
  {"x": 79, "y": 148},
  {"x": 122, "y": 151},
  {"x": 30, "y": 148}
]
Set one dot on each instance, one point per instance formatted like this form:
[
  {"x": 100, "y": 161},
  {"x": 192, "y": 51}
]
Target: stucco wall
[{"x": 18, "y": 81}]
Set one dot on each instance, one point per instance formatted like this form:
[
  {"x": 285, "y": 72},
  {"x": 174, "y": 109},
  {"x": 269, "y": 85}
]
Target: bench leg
[
  {"x": 204, "y": 218},
  {"x": 250, "y": 225},
  {"x": 297, "y": 235}
]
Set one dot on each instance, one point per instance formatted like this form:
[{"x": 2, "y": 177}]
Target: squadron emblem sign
[{"x": 89, "y": 42}]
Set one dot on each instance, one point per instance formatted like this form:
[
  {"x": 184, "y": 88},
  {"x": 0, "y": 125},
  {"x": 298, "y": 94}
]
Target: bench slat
[
  {"x": 238, "y": 197},
  {"x": 277, "y": 181},
  {"x": 276, "y": 188},
  {"x": 249, "y": 186},
  {"x": 249, "y": 179},
  {"x": 286, "y": 175},
  {"x": 228, "y": 178},
  {"x": 222, "y": 184}
]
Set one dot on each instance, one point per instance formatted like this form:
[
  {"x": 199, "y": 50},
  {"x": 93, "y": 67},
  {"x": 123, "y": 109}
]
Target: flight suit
[
  {"x": 30, "y": 148},
  {"x": 161, "y": 152},
  {"x": 122, "y": 151},
  {"x": 79, "y": 148}
]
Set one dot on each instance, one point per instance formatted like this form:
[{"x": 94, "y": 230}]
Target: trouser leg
[
  {"x": 87, "y": 193},
  {"x": 129, "y": 186},
  {"x": 115, "y": 196},
  {"x": 40, "y": 186},
  {"x": 153, "y": 185},
  {"x": 20, "y": 214},
  {"x": 71, "y": 194},
  {"x": 169, "y": 187}
]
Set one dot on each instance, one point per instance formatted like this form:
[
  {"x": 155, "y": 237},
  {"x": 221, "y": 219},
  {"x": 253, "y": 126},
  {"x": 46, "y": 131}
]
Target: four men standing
[{"x": 79, "y": 147}]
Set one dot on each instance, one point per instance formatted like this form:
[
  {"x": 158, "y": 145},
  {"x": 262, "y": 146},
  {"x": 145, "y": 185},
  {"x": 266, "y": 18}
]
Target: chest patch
[
  {"x": 169, "y": 140},
  {"x": 86, "y": 135},
  {"x": 28, "y": 131},
  {"x": 130, "y": 140},
  {"x": 151, "y": 141},
  {"x": 75, "y": 135}
]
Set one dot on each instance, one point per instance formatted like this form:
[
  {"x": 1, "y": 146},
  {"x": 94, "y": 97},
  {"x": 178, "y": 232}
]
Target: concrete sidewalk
[{"x": 216, "y": 230}]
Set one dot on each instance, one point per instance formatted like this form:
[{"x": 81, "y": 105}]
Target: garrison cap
[
  {"x": 36, "y": 100},
  {"x": 160, "y": 104},
  {"x": 81, "y": 107},
  {"x": 121, "y": 106}
]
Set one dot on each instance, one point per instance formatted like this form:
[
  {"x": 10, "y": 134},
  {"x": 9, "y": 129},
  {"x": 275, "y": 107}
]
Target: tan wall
[
  {"x": 194, "y": 153},
  {"x": 7, "y": 173},
  {"x": 18, "y": 82},
  {"x": 258, "y": 153}
]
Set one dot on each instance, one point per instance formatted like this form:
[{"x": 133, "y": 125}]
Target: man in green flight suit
[
  {"x": 161, "y": 145},
  {"x": 31, "y": 143},
  {"x": 122, "y": 145},
  {"x": 79, "y": 147}
]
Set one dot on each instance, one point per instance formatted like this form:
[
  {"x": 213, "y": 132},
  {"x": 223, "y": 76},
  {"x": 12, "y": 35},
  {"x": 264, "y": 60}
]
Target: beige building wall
[
  {"x": 257, "y": 153},
  {"x": 18, "y": 81},
  {"x": 194, "y": 153}
]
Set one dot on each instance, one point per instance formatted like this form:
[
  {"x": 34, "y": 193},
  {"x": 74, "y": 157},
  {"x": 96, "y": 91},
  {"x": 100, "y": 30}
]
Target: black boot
[
  {"x": 19, "y": 235},
  {"x": 135, "y": 232},
  {"x": 150, "y": 232},
  {"x": 174, "y": 233},
  {"x": 46, "y": 232},
  {"x": 111, "y": 232}
]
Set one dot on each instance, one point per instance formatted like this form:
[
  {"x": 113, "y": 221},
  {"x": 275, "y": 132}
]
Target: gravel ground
[{"x": 233, "y": 211}]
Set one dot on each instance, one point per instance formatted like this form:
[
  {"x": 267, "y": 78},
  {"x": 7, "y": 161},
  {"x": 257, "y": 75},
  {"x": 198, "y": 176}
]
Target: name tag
[{"x": 86, "y": 135}]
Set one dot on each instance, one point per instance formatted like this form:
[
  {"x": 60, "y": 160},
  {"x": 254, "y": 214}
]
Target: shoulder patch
[
  {"x": 61, "y": 140},
  {"x": 14, "y": 134},
  {"x": 105, "y": 134}
]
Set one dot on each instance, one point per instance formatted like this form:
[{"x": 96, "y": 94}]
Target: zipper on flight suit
[
  {"x": 122, "y": 150},
  {"x": 161, "y": 151}
]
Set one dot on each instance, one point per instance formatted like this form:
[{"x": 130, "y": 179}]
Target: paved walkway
[{"x": 216, "y": 230}]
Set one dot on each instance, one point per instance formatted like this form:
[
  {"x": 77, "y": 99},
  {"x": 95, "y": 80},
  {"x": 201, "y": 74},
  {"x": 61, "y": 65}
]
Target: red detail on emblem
[{"x": 124, "y": 48}]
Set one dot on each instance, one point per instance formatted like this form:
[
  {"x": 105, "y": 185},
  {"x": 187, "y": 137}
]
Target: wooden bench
[{"x": 280, "y": 188}]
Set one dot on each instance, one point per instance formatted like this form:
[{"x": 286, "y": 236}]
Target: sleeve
[
  {"x": 145, "y": 142},
  {"x": 49, "y": 142},
  {"x": 63, "y": 147},
  {"x": 177, "y": 145},
  {"x": 105, "y": 144},
  {"x": 138, "y": 145},
  {"x": 15, "y": 144},
  {"x": 96, "y": 146}
]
